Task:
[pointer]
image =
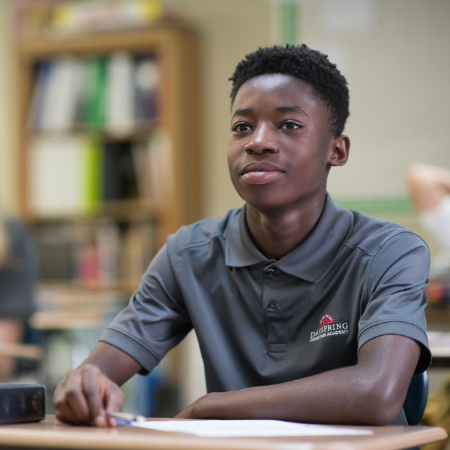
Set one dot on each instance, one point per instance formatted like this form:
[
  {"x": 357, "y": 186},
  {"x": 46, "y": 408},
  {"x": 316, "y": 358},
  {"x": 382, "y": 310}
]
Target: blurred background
[{"x": 114, "y": 122}]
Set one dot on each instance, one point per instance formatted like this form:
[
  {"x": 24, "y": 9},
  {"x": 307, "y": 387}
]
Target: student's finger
[
  {"x": 69, "y": 400},
  {"x": 91, "y": 384},
  {"x": 76, "y": 399},
  {"x": 114, "y": 399},
  {"x": 63, "y": 413}
]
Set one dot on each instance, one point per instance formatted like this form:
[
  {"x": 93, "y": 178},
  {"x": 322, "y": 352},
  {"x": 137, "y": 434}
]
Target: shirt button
[
  {"x": 270, "y": 272},
  {"x": 271, "y": 307}
]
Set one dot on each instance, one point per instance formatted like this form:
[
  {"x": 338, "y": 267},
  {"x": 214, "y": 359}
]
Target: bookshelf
[
  {"x": 175, "y": 50},
  {"x": 132, "y": 225}
]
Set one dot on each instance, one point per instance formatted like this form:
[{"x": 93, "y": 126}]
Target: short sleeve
[
  {"x": 395, "y": 291},
  {"x": 155, "y": 319},
  {"x": 19, "y": 273}
]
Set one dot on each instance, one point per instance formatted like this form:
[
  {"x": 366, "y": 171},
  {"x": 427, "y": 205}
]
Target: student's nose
[{"x": 263, "y": 140}]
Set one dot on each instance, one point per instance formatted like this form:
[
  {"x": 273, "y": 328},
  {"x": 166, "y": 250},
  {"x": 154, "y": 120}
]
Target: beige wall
[
  {"x": 9, "y": 184},
  {"x": 398, "y": 71}
]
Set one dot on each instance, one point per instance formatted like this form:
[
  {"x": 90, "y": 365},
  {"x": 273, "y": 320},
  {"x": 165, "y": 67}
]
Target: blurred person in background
[
  {"x": 18, "y": 273},
  {"x": 429, "y": 187}
]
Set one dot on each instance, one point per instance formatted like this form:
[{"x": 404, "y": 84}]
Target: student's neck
[{"x": 278, "y": 233}]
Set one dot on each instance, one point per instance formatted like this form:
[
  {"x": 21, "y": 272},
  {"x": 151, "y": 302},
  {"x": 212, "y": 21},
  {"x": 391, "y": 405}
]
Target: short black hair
[{"x": 310, "y": 66}]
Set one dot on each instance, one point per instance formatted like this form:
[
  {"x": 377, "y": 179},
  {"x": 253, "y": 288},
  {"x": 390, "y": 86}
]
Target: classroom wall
[
  {"x": 398, "y": 69},
  {"x": 9, "y": 187}
]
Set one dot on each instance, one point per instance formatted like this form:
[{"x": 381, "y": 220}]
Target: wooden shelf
[
  {"x": 132, "y": 209},
  {"x": 73, "y": 291},
  {"x": 138, "y": 133},
  {"x": 437, "y": 313},
  {"x": 149, "y": 39}
]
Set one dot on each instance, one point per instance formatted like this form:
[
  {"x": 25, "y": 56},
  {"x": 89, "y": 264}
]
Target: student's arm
[
  {"x": 85, "y": 394},
  {"x": 371, "y": 393}
]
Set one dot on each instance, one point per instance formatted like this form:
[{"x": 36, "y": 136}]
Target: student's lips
[{"x": 261, "y": 176}]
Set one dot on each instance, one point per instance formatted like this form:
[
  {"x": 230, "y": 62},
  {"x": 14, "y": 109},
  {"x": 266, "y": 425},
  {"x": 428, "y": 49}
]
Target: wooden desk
[{"x": 52, "y": 434}]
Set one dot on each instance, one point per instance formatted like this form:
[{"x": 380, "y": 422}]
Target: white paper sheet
[{"x": 247, "y": 428}]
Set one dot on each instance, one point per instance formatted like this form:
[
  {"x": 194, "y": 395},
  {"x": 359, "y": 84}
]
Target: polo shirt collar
[
  {"x": 311, "y": 260},
  {"x": 240, "y": 249}
]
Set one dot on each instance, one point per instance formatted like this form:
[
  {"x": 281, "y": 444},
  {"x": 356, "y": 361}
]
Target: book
[
  {"x": 137, "y": 251},
  {"x": 21, "y": 403},
  {"x": 94, "y": 101},
  {"x": 39, "y": 94},
  {"x": 92, "y": 154},
  {"x": 55, "y": 178},
  {"x": 65, "y": 175},
  {"x": 101, "y": 15},
  {"x": 119, "y": 100},
  {"x": 108, "y": 240},
  {"x": 119, "y": 177},
  {"x": 159, "y": 154},
  {"x": 141, "y": 163},
  {"x": 61, "y": 94},
  {"x": 146, "y": 82}
]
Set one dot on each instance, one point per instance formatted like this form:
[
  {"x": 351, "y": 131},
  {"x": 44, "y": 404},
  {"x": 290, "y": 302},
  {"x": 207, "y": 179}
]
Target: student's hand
[{"x": 85, "y": 395}]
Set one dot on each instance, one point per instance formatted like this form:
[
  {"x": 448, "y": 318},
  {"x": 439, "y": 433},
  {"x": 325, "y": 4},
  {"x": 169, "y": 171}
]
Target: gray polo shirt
[{"x": 261, "y": 321}]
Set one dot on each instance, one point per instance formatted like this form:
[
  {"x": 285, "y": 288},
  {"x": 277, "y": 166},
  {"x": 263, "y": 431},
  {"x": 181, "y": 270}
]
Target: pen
[{"x": 125, "y": 418}]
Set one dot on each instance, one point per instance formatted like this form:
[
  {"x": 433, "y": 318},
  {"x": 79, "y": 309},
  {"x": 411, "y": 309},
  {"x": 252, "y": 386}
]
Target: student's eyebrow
[
  {"x": 291, "y": 109},
  {"x": 248, "y": 111},
  {"x": 242, "y": 112}
]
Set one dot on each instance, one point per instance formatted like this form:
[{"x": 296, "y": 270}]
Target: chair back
[{"x": 416, "y": 398}]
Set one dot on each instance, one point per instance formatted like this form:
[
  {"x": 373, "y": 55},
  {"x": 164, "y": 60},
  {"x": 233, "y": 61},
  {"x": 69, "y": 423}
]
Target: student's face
[{"x": 281, "y": 145}]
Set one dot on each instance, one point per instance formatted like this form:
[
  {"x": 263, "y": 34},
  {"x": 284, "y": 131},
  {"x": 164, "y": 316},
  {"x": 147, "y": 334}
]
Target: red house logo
[{"x": 327, "y": 320}]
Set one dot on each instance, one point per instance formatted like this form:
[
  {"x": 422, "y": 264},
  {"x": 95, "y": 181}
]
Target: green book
[
  {"x": 92, "y": 175},
  {"x": 94, "y": 104}
]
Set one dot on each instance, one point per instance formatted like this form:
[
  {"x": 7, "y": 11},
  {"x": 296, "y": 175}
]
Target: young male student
[{"x": 304, "y": 311}]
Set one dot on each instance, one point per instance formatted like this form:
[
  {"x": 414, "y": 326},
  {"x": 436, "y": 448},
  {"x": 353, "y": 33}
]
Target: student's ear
[{"x": 340, "y": 151}]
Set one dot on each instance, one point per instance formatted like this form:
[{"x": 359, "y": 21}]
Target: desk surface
[{"x": 52, "y": 434}]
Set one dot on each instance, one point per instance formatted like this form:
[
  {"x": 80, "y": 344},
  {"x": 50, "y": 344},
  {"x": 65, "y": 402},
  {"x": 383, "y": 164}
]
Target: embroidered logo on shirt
[{"x": 328, "y": 327}]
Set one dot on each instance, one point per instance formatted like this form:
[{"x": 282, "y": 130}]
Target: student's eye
[
  {"x": 291, "y": 125},
  {"x": 240, "y": 127}
]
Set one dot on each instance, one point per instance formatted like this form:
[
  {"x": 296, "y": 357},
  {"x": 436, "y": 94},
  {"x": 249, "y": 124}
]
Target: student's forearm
[
  {"x": 324, "y": 398},
  {"x": 361, "y": 394}
]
